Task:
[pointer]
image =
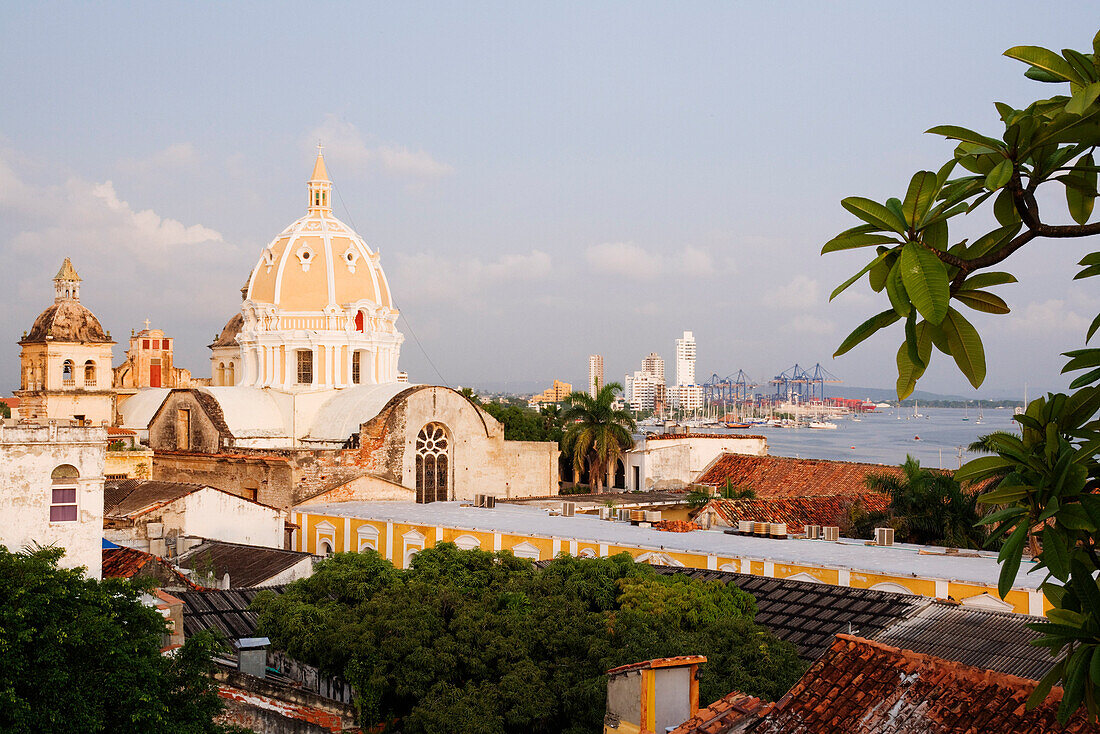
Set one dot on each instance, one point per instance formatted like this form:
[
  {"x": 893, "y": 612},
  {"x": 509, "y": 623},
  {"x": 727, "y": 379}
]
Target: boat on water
[
  {"x": 828, "y": 425},
  {"x": 738, "y": 425},
  {"x": 980, "y": 415}
]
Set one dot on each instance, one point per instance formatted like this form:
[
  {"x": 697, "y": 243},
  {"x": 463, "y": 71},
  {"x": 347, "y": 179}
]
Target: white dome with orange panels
[
  {"x": 317, "y": 311},
  {"x": 318, "y": 261}
]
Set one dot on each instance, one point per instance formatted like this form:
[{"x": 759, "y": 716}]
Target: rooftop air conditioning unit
[
  {"x": 637, "y": 516},
  {"x": 624, "y": 515},
  {"x": 778, "y": 530},
  {"x": 490, "y": 501},
  {"x": 813, "y": 532},
  {"x": 744, "y": 527},
  {"x": 652, "y": 515},
  {"x": 884, "y": 536},
  {"x": 479, "y": 500},
  {"x": 760, "y": 528},
  {"x": 568, "y": 509},
  {"x": 605, "y": 513},
  {"x": 831, "y": 533}
]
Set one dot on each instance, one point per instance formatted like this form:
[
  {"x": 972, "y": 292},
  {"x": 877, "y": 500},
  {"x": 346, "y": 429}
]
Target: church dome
[
  {"x": 66, "y": 321},
  {"x": 318, "y": 262},
  {"x": 228, "y": 336}
]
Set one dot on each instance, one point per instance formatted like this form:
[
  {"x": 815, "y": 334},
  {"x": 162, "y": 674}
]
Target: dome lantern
[
  {"x": 320, "y": 187},
  {"x": 66, "y": 283}
]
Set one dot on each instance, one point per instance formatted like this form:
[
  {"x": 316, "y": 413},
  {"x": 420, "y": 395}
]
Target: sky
[{"x": 543, "y": 180}]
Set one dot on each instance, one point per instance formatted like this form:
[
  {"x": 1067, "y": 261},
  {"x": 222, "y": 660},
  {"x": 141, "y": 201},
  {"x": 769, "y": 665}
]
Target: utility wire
[{"x": 408, "y": 324}]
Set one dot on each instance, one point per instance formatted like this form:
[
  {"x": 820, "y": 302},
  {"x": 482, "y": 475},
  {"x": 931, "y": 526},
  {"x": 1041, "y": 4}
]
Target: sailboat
[
  {"x": 966, "y": 407},
  {"x": 1020, "y": 411},
  {"x": 980, "y": 416}
]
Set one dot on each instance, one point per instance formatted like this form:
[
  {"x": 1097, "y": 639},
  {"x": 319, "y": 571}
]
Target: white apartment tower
[
  {"x": 654, "y": 365},
  {"x": 685, "y": 359},
  {"x": 595, "y": 373}
]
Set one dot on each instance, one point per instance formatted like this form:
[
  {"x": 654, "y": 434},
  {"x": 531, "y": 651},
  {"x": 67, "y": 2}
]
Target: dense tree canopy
[
  {"x": 487, "y": 640},
  {"x": 82, "y": 655},
  {"x": 1047, "y": 478}
]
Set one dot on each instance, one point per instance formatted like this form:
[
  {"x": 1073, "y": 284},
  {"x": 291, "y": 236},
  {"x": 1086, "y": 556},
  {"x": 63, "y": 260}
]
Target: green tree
[
  {"x": 78, "y": 654},
  {"x": 597, "y": 433},
  {"x": 488, "y": 640},
  {"x": 1048, "y": 476},
  {"x": 930, "y": 507}
]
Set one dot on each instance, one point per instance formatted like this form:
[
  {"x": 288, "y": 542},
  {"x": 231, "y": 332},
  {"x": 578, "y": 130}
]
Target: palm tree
[
  {"x": 597, "y": 433},
  {"x": 931, "y": 506}
]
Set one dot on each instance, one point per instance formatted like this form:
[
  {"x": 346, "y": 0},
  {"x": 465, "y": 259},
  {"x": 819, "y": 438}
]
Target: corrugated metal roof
[
  {"x": 247, "y": 565},
  {"x": 987, "y": 639},
  {"x": 223, "y": 610}
]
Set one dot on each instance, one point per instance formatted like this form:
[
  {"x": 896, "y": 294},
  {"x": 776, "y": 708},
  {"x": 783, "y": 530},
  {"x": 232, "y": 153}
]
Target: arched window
[
  {"x": 359, "y": 321},
  {"x": 356, "y": 366},
  {"x": 432, "y": 478},
  {"x": 230, "y": 374},
  {"x": 67, "y": 373},
  {"x": 620, "y": 474},
  {"x": 63, "y": 493},
  {"x": 325, "y": 549},
  {"x": 221, "y": 373},
  {"x": 89, "y": 373}
]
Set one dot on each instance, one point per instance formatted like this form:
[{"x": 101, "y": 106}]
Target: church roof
[
  {"x": 67, "y": 321},
  {"x": 248, "y": 412},
  {"x": 344, "y": 412},
  {"x": 228, "y": 336}
]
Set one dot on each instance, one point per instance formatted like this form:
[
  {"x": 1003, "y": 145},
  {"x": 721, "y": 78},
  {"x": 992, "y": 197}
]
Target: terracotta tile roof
[
  {"x": 128, "y": 563},
  {"x": 779, "y": 476},
  {"x": 797, "y": 512},
  {"x": 116, "y": 431},
  {"x": 721, "y": 715},
  {"x": 863, "y": 686}
]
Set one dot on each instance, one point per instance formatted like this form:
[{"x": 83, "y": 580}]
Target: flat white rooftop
[{"x": 898, "y": 560}]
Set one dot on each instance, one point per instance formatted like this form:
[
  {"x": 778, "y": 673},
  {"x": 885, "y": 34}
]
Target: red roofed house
[
  {"x": 779, "y": 476},
  {"x": 796, "y": 512},
  {"x": 860, "y": 686}
]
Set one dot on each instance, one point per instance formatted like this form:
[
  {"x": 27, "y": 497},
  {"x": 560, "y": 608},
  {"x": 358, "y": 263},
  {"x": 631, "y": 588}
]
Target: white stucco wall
[
  {"x": 673, "y": 463},
  {"x": 215, "y": 515},
  {"x": 482, "y": 462},
  {"x": 28, "y": 456},
  {"x": 301, "y": 570}
]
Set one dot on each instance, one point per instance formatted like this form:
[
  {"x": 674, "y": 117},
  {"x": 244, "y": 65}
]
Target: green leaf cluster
[
  {"x": 78, "y": 654},
  {"x": 1047, "y": 479},
  {"x": 488, "y": 640},
  {"x": 597, "y": 432}
]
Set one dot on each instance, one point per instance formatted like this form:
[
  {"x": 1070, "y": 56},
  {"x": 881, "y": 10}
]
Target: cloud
[
  {"x": 431, "y": 277},
  {"x": 625, "y": 259},
  {"x": 810, "y": 324},
  {"x": 801, "y": 293},
  {"x": 1044, "y": 317},
  {"x": 355, "y": 152},
  {"x": 631, "y": 261},
  {"x": 178, "y": 156}
]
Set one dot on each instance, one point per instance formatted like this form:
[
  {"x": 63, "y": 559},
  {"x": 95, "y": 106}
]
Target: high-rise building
[
  {"x": 595, "y": 373},
  {"x": 654, "y": 365},
  {"x": 643, "y": 390},
  {"x": 685, "y": 359}
]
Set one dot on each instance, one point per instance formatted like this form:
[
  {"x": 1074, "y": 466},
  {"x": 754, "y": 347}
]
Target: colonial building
[
  {"x": 65, "y": 363},
  {"x": 51, "y": 491},
  {"x": 149, "y": 363},
  {"x": 306, "y": 395}
]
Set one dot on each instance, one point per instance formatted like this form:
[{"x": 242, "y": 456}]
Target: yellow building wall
[{"x": 392, "y": 543}]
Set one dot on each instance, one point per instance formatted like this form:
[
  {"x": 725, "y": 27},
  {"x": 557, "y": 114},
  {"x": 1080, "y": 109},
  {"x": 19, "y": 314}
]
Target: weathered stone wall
[
  {"x": 28, "y": 456},
  {"x": 263, "y": 706},
  {"x": 205, "y": 435},
  {"x": 266, "y": 477}
]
